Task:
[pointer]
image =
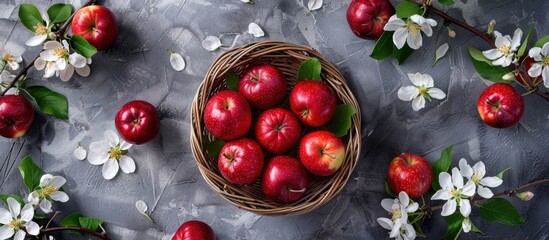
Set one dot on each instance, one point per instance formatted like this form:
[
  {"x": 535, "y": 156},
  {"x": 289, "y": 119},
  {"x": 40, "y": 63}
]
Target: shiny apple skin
[
  {"x": 137, "y": 122},
  {"x": 16, "y": 116},
  {"x": 227, "y": 115},
  {"x": 366, "y": 18},
  {"x": 284, "y": 180},
  {"x": 241, "y": 161},
  {"x": 277, "y": 130},
  {"x": 194, "y": 230},
  {"x": 313, "y": 102},
  {"x": 264, "y": 86},
  {"x": 322, "y": 153},
  {"x": 97, "y": 25},
  {"x": 410, "y": 173},
  {"x": 500, "y": 105}
]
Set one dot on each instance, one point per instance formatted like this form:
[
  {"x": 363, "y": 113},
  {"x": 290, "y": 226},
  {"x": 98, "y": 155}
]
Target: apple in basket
[
  {"x": 321, "y": 152},
  {"x": 313, "y": 102},
  {"x": 264, "y": 86},
  {"x": 16, "y": 116},
  {"x": 227, "y": 115},
  {"x": 277, "y": 130},
  {"x": 500, "y": 105},
  {"x": 137, "y": 122},
  {"x": 241, "y": 161},
  {"x": 194, "y": 230},
  {"x": 410, "y": 173},
  {"x": 284, "y": 180},
  {"x": 97, "y": 25}
]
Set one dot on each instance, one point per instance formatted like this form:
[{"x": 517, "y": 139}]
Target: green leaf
[
  {"x": 213, "y": 148},
  {"x": 30, "y": 173},
  {"x": 475, "y": 229},
  {"x": 384, "y": 46},
  {"x": 403, "y": 53},
  {"x": 524, "y": 45},
  {"x": 543, "y": 40},
  {"x": 485, "y": 68},
  {"x": 50, "y": 102},
  {"x": 500, "y": 210},
  {"x": 342, "y": 120},
  {"x": 4, "y": 198},
  {"x": 454, "y": 225},
  {"x": 419, "y": 231},
  {"x": 406, "y": 9},
  {"x": 59, "y": 12},
  {"x": 90, "y": 223},
  {"x": 82, "y": 46},
  {"x": 309, "y": 70},
  {"x": 232, "y": 81},
  {"x": 72, "y": 220},
  {"x": 442, "y": 165},
  {"x": 500, "y": 175},
  {"x": 388, "y": 190},
  {"x": 446, "y": 2},
  {"x": 30, "y": 16}
]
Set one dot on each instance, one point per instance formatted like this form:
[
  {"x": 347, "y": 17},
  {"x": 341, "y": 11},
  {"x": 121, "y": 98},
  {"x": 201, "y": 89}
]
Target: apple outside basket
[{"x": 287, "y": 57}]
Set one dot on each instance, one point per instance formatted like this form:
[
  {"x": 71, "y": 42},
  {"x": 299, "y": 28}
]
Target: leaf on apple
[
  {"x": 49, "y": 102},
  {"x": 500, "y": 175},
  {"x": 82, "y": 46},
  {"x": 384, "y": 46},
  {"x": 524, "y": 45},
  {"x": 30, "y": 16},
  {"x": 500, "y": 210},
  {"x": 232, "y": 81},
  {"x": 310, "y": 70},
  {"x": 402, "y": 54},
  {"x": 342, "y": 120},
  {"x": 454, "y": 225},
  {"x": 446, "y": 2},
  {"x": 213, "y": 148},
  {"x": 59, "y": 12},
  {"x": 30, "y": 173},
  {"x": 407, "y": 9},
  {"x": 485, "y": 68},
  {"x": 442, "y": 165},
  {"x": 543, "y": 40}
]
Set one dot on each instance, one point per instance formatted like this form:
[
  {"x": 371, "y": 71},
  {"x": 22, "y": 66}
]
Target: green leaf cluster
[
  {"x": 30, "y": 173},
  {"x": 485, "y": 68},
  {"x": 310, "y": 70},
  {"x": 78, "y": 220},
  {"x": 342, "y": 120},
  {"x": 49, "y": 102}
]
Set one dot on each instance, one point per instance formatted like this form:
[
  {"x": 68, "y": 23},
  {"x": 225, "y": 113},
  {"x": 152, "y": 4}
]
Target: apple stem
[
  {"x": 329, "y": 155},
  {"x": 227, "y": 157},
  {"x": 297, "y": 190}
]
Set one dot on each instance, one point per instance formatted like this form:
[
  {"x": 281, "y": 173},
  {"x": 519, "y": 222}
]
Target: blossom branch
[
  {"x": 59, "y": 32},
  {"x": 102, "y": 236}
]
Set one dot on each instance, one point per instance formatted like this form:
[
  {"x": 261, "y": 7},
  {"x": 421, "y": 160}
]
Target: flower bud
[
  {"x": 451, "y": 32},
  {"x": 510, "y": 76},
  {"x": 525, "y": 196},
  {"x": 51, "y": 35},
  {"x": 491, "y": 27}
]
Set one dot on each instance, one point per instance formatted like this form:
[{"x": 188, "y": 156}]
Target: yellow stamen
[
  {"x": 60, "y": 52},
  {"x": 115, "y": 153},
  {"x": 15, "y": 224},
  {"x": 396, "y": 214},
  {"x": 546, "y": 61},
  {"x": 454, "y": 192},
  {"x": 414, "y": 28},
  {"x": 475, "y": 178},
  {"x": 504, "y": 49},
  {"x": 8, "y": 57},
  {"x": 40, "y": 29},
  {"x": 47, "y": 190}
]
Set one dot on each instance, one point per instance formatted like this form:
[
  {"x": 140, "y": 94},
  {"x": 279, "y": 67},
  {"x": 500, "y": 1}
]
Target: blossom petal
[
  {"x": 545, "y": 76},
  {"x": 96, "y": 158},
  {"x": 36, "y": 40},
  {"x": 465, "y": 207},
  {"x": 110, "y": 169},
  {"x": 426, "y": 28},
  {"x": 492, "y": 54},
  {"x": 32, "y": 228},
  {"x": 20, "y": 235},
  {"x": 404, "y": 199},
  {"x": 418, "y": 103},
  {"x": 45, "y": 205},
  {"x": 61, "y": 64},
  {"x": 479, "y": 169},
  {"x": 491, "y": 181},
  {"x": 465, "y": 169},
  {"x": 410, "y": 231},
  {"x": 385, "y": 223},
  {"x": 503, "y": 41},
  {"x": 52, "y": 45},
  {"x": 48, "y": 55},
  {"x": 517, "y": 36},
  {"x": 414, "y": 40},
  {"x": 399, "y": 37},
  {"x": 99, "y": 147},
  {"x": 466, "y": 225},
  {"x": 442, "y": 194},
  {"x": 127, "y": 164},
  {"x": 457, "y": 179},
  {"x": 469, "y": 189},
  {"x": 27, "y": 213},
  {"x": 431, "y": 22},
  {"x": 57, "y": 181},
  {"x": 14, "y": 206},
  {"x": 13, "y": 65},
  {"x": 66, "y": 74},
  {"x": 50, "y": 70},
  {"x": 427, "y": 80},
  {"x": 407, "y": 93},
  {"x": 412, "y": 207},
  {"x": 59, "y": 196},
  {"x": 80, "y": 153},
  {"x": 535, "y": 70},
  {"x": 436, "y": 93},
  {"x": 485, "y": 192},
  {"x": 141, "y": 206},
  {"x": 535, "y": 53},
  {"x": 545, "y": 49},
  {"x": 445, "y": 180},
  {"x": 211, "y": 43},
  {"x": 77, "y": 60},
  {"x": 394, "y": 23},
  {"x": 6, "y": 232},
  {"x": 177, "y": 61},
  {"x": 416, "y": 79},
  {"x": 396, "y": 229},
  {"x": 255, "y": 30},
  {"x": 45, "y": 179},
  {"x": 418, "y": 19},
  {"x": 125, "y": 145},
  {"x": 449, "y": 208},
  {"x": 112, "y": 138},
  {"x": 83, "y": 71},
  {"x": 387, "y": 204},
  {"x": 5, "y": 216},
  {"x": 39, "y": 63},
  {"x": 33, "y": 198}
]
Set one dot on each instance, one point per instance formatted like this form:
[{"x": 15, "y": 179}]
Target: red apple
[
  {"x": 227, "y": 115},
  {"x": 194, "y": 230},
  {"x": 16, "y": 116},
  {"x": 284, "y": 180},
  {"x": 313, "y": 102},
  {"x": 410, "y": 173},
  {"x": 241, "y": 161},
  {"x": 500, "y": 105},
  {"x": 321, "y": 152},
  {"x": 277, "y": 130},
  {"x": 264, "y": 86},
  {"x": 97, "y": 25},
  {"x": 137, "y": 122},
  {"x": 368, "y": 17}
]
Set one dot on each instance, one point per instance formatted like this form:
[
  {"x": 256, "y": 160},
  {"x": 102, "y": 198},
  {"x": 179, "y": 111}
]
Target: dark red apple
[
  {"x": 227, "y": 115},
  {"x": 241, "y": 161},
  {"x": 16, "y": 116},
  {"x": 137, "y": 122},
  {"x": 368, "y": 17},
  {"x": 321, "y": 152},
  {"x": 277, "y": 130},
  {"x": 313, "y": 102},
  {"x": 500, "y": 105},
  {"x": 410, "y": 173},
  {"x": 264, "y": 86},
  {"x": 284, "y": 180},
  {"x": 97, "y": 25},
  {"x": 194, "y": 230}
]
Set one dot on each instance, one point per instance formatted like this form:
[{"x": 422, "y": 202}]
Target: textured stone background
[{"x": 137, "y": 67}]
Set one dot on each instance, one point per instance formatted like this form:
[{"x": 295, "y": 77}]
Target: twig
[
  {"x": 51, "y": 219},
  {"x": 82, "y": 229},
  {"x": 59, "y": 32}
]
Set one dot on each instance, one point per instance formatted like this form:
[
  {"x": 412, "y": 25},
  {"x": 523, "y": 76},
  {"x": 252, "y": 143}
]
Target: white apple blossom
[
  {"x": 17, "y": 222},
  {"x": 409, "y": 31},
  {"x": 49, "y": 191},
  {"x": 111, "y": 153},
  {"x": 5, "y": 79},
  {"x": 504, "y": 53},
  {"x": 454, "y": 192},
  {"x": 476, "y": 174},
  {"x": 50, "y": 67},
  {"x": 423, "y": 89},
  {"x": 41, "y": 31},
  {"x": 65, "y": 62},
  {"x": 398, "y": 223},
  {"x": 540, "y": 67},
  {"x": 11, "y": 60}
]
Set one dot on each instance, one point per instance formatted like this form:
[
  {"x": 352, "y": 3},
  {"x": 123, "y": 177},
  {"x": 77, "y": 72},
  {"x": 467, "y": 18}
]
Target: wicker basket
[{"x": 287, "y": 57}]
